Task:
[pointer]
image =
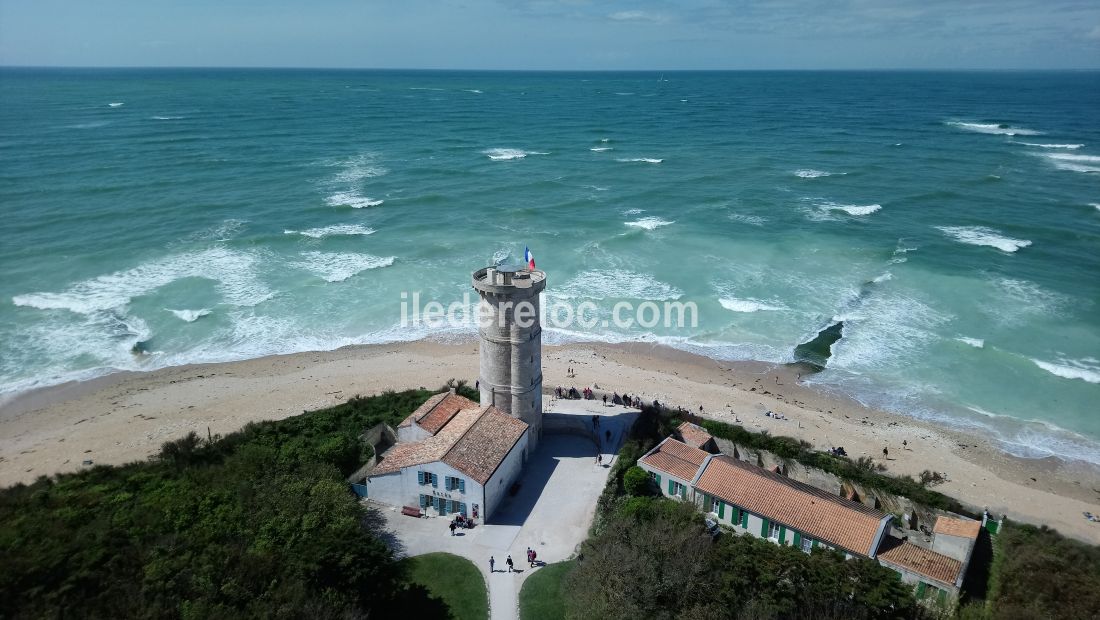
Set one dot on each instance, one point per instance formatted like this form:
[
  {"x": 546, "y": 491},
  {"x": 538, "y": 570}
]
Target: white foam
[
  {"x": 508, "y": 154},
  {"x": 994, "y": 128},
  {"x": 885, "y": 277},
  {"x": 809, "y": 173},
  {"x": 615, "y": 284},
  {"x": 980, "y": 235},
  {"x": 352, "y": 199},
  {"x": 116, "y": 104},
  {"x": 824, "y": 208},
  {"x": 190, "y": 315},
  {"x": 1096, "y": 205},
  {"x": 1087, "y": 369},
  {"x": 327, "y": 231},
  {"x": 601, "y": 149},
  {"x": 1074, "y": 162},
  {"x": 753, "y": 220},
  {"x": 339, "y": 266},
  {"x": 650, "y": 223},
  {"x": 977, "y": 343},
  {"x": 747, "y": 305},
  {"x": 648, "y": 160},
  {"x": 1052, "y": 146},
  {"x": 234, "y": 271},
  {"x": 167, "y": 118},
  {"x": 633, "y": 211},
  {"x": 356, "y": 169},
  {"x": 605, "y": 139},
  {"x": 474, "y": 91}
]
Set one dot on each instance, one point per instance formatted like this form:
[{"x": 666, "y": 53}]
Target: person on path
[
  {"x": 599, "y": 459},
  {"x": 492, "y": 564},
  {"x": 608, "y": 434},
  {"x": 886, "y": 453},
  {"x": 509, "y": 563},
  {"x": 453, "y": 528},
  {"x": 530, "y": 558}
]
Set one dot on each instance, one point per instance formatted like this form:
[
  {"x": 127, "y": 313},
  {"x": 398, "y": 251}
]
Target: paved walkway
[{"x": 551, "y": 513}]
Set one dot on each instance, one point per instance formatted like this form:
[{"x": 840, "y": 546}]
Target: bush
[{"x": 637, "y": 482}]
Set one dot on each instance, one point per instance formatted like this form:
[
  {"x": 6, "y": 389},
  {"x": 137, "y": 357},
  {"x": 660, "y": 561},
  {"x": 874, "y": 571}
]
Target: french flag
[{"x": 529, "y": 257}]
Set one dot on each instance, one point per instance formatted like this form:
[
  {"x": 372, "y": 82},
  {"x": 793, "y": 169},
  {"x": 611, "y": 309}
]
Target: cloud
[{"x": 637, "y": 16}]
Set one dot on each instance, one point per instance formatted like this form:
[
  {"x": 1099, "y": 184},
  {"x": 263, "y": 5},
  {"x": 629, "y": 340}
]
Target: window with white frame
[
  {"x": 807, "y": 544},
  {"x": 773, "y": 530}
]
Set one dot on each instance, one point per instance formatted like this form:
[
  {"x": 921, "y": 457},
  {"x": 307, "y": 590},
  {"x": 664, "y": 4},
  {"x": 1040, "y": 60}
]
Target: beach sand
[{"x": 127, "y": 416}]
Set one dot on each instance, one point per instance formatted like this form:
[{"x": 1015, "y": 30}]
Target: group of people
[
  {"x": 588, "y": 394},
  {"x": 532, "y": 560}
]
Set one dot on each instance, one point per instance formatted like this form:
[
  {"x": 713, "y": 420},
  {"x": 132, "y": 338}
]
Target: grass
[
  {"x": 541, "y": 597},
  {"x": 453, "y": 579}
]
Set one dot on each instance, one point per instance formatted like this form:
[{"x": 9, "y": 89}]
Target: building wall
[
  {"x": 411, "y": 433},
  {"x": 957, "y": 547},
  {"x": 910, "y": 578},
  {"x": 403, "y": 488},
  {"x": 496, "y": 488},
  {"x": 689, "y": 493}
]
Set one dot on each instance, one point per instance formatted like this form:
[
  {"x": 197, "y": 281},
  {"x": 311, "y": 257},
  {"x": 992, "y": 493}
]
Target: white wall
[
  {"x": 496, "y": 488},
  {"x": 411, "y": 433},
  {"x": 689, "y": 494},
  {"x": 403, "y": 489}
]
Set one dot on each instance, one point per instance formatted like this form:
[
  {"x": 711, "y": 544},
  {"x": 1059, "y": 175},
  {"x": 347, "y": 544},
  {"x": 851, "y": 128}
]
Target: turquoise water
[{"x": 950, "y": 220}]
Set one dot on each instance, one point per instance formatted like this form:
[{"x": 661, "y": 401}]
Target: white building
[{"x": 452, "y": 456}]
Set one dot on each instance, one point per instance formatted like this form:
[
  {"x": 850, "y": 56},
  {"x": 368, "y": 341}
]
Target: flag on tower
[{"x": 529, "y": 257}]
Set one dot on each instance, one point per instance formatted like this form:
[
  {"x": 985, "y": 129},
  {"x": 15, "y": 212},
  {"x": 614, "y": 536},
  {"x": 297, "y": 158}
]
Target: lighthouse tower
[{"x": 511, "y": 343}]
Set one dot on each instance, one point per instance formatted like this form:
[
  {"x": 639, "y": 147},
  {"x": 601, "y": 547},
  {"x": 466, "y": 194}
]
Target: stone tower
[{"x": 511, "y": 342}]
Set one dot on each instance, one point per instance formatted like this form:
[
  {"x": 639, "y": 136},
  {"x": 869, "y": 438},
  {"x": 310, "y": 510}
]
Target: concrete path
[{"x": 551, "y": 513}]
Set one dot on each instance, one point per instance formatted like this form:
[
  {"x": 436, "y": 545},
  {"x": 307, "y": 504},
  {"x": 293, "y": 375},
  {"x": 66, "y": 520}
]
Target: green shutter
[
  {"x": 461, "y": 485},
  {"x": 657, "y": 479},
  {"x": 721, "y": 509},
  {"x": 798, "y": 540},
  {"x": 672, "y": 487},
  {"x": 744, "y": 518},
  {"x": 920, "y": 589},
  {"x": 435, "y": 480},
  {"x": 763, "y": 528},
  {"x": 420, "y": 477},
  {"x": 782, "y": 534},
  {"x": 813, "y": 544}
]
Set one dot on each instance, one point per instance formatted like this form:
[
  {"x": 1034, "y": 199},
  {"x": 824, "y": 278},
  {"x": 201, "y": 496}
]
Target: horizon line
[{"x": 562, "y": 70}]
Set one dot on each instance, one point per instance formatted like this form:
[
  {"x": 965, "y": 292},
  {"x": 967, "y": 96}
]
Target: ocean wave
[
  {"x": 190, "y": 315},
  {"x": 117, "y": 104},
  {"x": 339, "y": 229},
  {"x": 601, "y": 149},
  {"x": 1087, "y": 369},
  {"x": 824, "y": 209},
  {"x": 233, "y": 271},
  {"x": 650, "y": 223},
  {"x": 167, "y": 118},
  {"x": 593, "y": 284},
  {"x": 354, "y": 170},
  {"x": 1052, "y": 146},
  {"x": 474, "y": 91},
  {"x": 809, "y": 173},
  {"x": 352, "y": 199},
  {"x": 884, "y": 277},
  {"x": 747, "y": 305},
  {"x": 1074, "y": 162},
  {"x": 648, "y": 160},
  {"x": 753, "y": 220},
  {"x": 885, "y": 329},
  {"x": 633, "y": 211},
  {"x": 339, "y": 266},
  {"x": 977, "y": 343},
  {"x": 1096, "y": 205},
  {"x": 1000, "y": 129},
  {"x": 508, "y": 154},
  {"x": 980, "y": 235}
]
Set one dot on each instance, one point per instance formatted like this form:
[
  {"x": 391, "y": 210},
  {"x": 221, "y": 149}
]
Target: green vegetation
[
  {"x": 654, "y": 559},
  {"x": 454, "y": 580},
  {"x": 542, "y": 597},
  {"x": 636, "y": 481},
  {"x": 257, "y": 524},
  {"x": 1038, "y": 573}
]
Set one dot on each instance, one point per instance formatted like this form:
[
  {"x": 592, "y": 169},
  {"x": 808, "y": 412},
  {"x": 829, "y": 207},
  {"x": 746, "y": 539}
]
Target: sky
[{"x": 554, "y": 34}]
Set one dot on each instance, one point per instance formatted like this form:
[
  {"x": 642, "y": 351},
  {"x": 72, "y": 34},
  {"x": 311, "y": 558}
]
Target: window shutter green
[
  {"x": 672, "y": 487},
  {"x": 744, "y": 519},
  {"x": 763, "y": 528},
  {"x": 920, "y": 589},
  {"x": 798, "y": 540},
  {"x": 435, "y": 480},
  {"x": 657, "y": 479},
  {"x": 420, "y": 477},
  {"x": 782, "y": 534},
  {"x": 721, "y": 509},
  {"x": 813, "y": 544},
  {"x": 462, "y": 485}
]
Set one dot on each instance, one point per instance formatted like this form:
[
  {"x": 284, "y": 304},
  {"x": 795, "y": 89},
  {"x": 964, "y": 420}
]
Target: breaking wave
[
  {"x": 327, "y": 231},
  {"x": 1000, "y": 129},
  {"x": 190, "y": 315},
  {"x": 648, "y": 160},
  {"x": 507, "y": 154},
  {"x": 1087, "y": 369},
  {"x": 980, "y": 235},
  {"x": 337, "y": 266},
  {"x": 747, "y": 305},
  {"x": 650, "y": 223}
]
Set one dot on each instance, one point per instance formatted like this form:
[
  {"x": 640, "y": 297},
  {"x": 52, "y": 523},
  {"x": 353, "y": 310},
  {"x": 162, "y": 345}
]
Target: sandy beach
[{"x": 127, "y": 416}]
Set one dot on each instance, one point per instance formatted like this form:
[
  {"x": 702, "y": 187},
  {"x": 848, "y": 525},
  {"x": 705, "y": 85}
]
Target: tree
[{"x": 637, "y": 482}]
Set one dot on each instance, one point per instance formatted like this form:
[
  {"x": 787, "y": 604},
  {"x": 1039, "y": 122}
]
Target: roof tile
[
  {"x": 481, "y": 450},
  {"x": 673, "y": 457},
  {"x": 694, "y": 435},
  {"x": 966, "y": 528},
  {"x": 810, "y": 510},
  {"x": 922, "y": 561}
]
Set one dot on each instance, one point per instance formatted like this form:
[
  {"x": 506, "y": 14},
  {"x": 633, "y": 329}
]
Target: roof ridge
[
  {"x": 805, "y": 487},
  {"x": 468, "y": 428}
]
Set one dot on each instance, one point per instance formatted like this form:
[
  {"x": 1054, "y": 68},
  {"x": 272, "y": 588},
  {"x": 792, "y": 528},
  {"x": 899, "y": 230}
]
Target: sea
[{"x": 946, "y": 225}]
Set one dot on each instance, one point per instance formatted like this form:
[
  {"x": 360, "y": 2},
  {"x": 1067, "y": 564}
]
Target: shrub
[{"x": 637, "y": 482}]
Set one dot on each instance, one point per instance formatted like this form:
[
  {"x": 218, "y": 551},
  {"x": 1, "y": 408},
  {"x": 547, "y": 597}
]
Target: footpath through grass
[
  {"x": 541, "y": 597},
  {"x": 453, "y": 579}
]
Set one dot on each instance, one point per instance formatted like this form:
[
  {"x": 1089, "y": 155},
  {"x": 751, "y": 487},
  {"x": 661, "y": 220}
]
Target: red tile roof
[
  {"x": 676, "y": 459},
  {"x": 480, "y": 451},
  {"x": 966, "y": 528},
  {"x": 922, "y": 561},
  {"x": 808, "y": 509},
  {"x": 437, "y": 411},
  {"x": 694, "y": 435},
  {"x": 408, "y": 454}
]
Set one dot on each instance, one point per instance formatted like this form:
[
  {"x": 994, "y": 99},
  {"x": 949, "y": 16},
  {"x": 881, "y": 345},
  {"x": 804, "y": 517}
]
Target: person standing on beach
[
  {"x": 886, "y": 453},
  {"x": 509, "y": 563},
  {"x": 492, "y": 564}
]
